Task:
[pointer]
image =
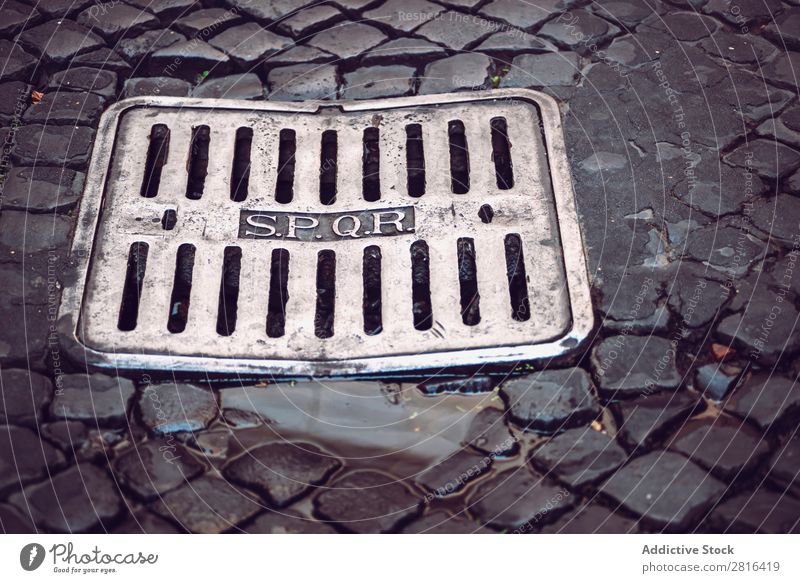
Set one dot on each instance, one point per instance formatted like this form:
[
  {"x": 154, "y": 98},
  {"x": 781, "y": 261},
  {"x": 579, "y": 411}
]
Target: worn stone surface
[
  {"x": 522, "y": 15},
  {"x": 24, "y": 395},
  {"x": 310, "y": 20},
  {"x": 378, "y": 81},
  {"x": 405, "y": 15},
  {"x": 188, "y": 59},
  {"x": 34, "y": 233},
  {"x": 763, "y": 512},
  {"x": 591, "y": 519},
  {"x": 300, "y": 82},
  {"x": 455, "y": 29},
  {"x": 766, "y": 400},
  {"x": 202, "y": 23},
  {"x": 347, "y": 39},
  {"x": 66, "y": 108},
  {"x": 579, "y": 457},
  {"x": 488, "y": 433},
  {"x": 667, "y": 490},
  {"x": 287, "y": 522},
  {"x": 24, "y": 457},
  {"x": 171, "y": 408},
  {"x": 247, "y": 86},
  {"x": 13, "y": 521},
  {"x": 50, "y": 145},
  {"x": 400, "y": 50},
  {"x": 643, "y": 422},
  {"x": 551, "y": 400},
  {"x": 142, "y": 45},
  {"x": 250, "y": 44},
  {"x": 464, "y": 71},
  {"x": 367, "y": 502},
  {"x": 440, "y": 522},
  {"x": 17, "y": 63},
  {"x": 713, "y": 381},
  {"x": 76, "y": 500},
  {"x": 783, "y": 466},
  {"x": 59, "y": 41},
  {"x": 156, "y": 467},
  {"x": 543, "y": 70},
  {"x": 95, "y": 398},
  {"x": 168, "y": 86},
  {"x": 207, "y": 505},
  {"x": 630, "y": 365},
  {"x": 518, "y": 501},
  {"x": 451, "y": 474},
  {"x": 116, "y": 20},
  {"x": 99, "y": 81},
  {"x": 282, "y": 472}
]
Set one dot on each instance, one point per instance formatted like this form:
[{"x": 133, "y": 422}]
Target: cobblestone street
[{"x": 679, "y": 414}]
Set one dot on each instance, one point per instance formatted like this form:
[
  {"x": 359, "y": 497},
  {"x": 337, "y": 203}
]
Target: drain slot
[
  {"x": 421, "y": 285},
  {"x": 198, "y": 162},
  {"x": 371, "y": 183},
  {"x": 373, "y": 320},
  {"x": 459, "y": 157},
  {"x": 327, "y": 169},
  {"x": 468, "y": 279},
  {"x": 169, "y": 219},
  {"x": 415, "y": 160},
  {"x": 278, "y": 293},
  {"x": 501, "y": 154},
  {"x": 240, "y": 175},
  {"x": 287, "y": 145},
  {"x": 157, "y": 152},
  {"x": 181, "y": 289},
  {"x": 132, "y": 290},
  {"x": 229, "y": 291},
  {"x": 517, "y": 279},
  {"x": 326, "y": 293}
]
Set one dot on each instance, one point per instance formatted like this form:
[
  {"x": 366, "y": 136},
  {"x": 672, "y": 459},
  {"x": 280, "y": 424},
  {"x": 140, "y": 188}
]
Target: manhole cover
[{"x": 328, "y": 239}]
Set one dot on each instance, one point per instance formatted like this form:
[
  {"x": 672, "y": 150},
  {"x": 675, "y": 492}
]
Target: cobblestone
[
  {"x": 93, "y": 398},
  {"x": 172, "y": 408}
]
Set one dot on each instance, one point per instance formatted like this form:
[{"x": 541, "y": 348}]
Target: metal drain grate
[{"x": 327, "y": 239}]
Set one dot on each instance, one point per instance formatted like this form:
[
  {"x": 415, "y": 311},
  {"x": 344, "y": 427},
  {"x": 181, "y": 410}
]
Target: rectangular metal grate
[{"x": 328, "y": 239}]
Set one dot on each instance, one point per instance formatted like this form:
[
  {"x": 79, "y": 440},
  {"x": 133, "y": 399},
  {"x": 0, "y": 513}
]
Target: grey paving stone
[
  {"x": 17, "y": 16},
  {"x": 207, "y": 505},
  {"x": 785, "y": 128},
  {"x": 24, "y": 396},
  {"x": 144, "y": 522},
  {"x": 400, "y": 50},
  {"x": 551, "y": 400},
  {"x": 630, "y": 365},
  {"x": 768, "y": 401},
  {"x": 488, "y": 433},
  {"x": 273, "y": 10},
  {"x": 378, "y": 81},
  {"x": 188, "y": 59},
  {"x": 456, "y": 30},
  {"x": 24, "y": 335},
  {"x": 282, "y": 472},
  {"x": 714, "y": 382},
  {"x": 626, "y": 14},
  {"x": 667, "y": 490},
  {"x": 23, "y": 234},
  {"x": 297, "y": 55},
  {"x": 58, "y": 41},
  {"x": 543, "y": 70},
  {"x": 154, "y": 468},
  {"x": 206, "y": 23},
  {"x": 76, "y": 500},
  {"x": 452, "y": 474},
  {"x": 645, "y": 421},
  {"x": 300, "y": 82},
  {"x": 13, "y": 521},
  {"x": 591, "y": 519},
  {"x": 114, "y": 21},
  {"x": 726, "y": 248},
  {"x": 464, "y": 71},
  {"x": 689, "y": 26},
  {"x": 69, "y": 436},
  {"x": 742, "y": 12},
  {"x": 729, "y": 449},
  {"x": 465, "y": 386},
  {"x": 347, "y": 39},
  {"x": 357, "y": 5},
  {"x": 766, "y": 333},
  {"x": 103, "y": 83},
  {"x": 24, "y": 457},
  {"x": 310, "y": 20},
  {"x": 523, "y": 15},
  {"x": 166, "y": 10},
  {"x": 287, "y": 522},
  {"x": 53, "y": 146},
  {"x": 250, "y": 44},
  {"x": 783, "y": 30},
  {"x": 17, "y": 64},
  {"x": 737, "y": 48},
  {"x": 512, "y": 41},
  {"x": 143, "y": 45},
  {"x": 762, "y": 512},
  {"x": 579, "y": 30},
  {"x": 14, "y": 98},
  {"x": 783, "y": 466},
  {"x": 61, "y": 8},
  {"x": 518, "y": 501},
  {"x": 172, "y": 408},
  {"x": 103, "y": 58},
  {"x": 366, "y": 501},
  {"x": 94, "y": 399},
  {"x": 579, "y": 457},
  {"x": 66, "y": 108},
  {"x": 156, "y": 86},
  {"x": 768, "y": 158},
  {"x": 439, "y": 522},
  {"x": 405, "y": 15},
  {"x": 777, "y": 217},
  {"x": 246, "y": 86}
]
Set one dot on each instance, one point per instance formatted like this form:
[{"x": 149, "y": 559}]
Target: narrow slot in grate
[
  {"x": 240, "y": 174},
  {"x": 501, "y": 154},
  {"x": 421, "y": 285},
  {"x": 468, "y": 280},
  {"x": 229, "y": 291},
  {"x": 415, "y": 160},
  {"x": 327, "y": 167},
  {"x": 132, "y": 290},
  {"x": 169, "y": 219},
  {"x": 517, "y": 279},
  {"x": 373, "y": 319},
  {"x": 278, "y": 293},
  {"x": 287, "y": 145},
  {"x": 459, "y": 157},
  {"x": 198, "y": 162},
  {"x": 181, "y": 289},
  {"x": 371, "y": 183},
  {"x": 157, "y": 152},
  {"x": 326, "y": 293}
]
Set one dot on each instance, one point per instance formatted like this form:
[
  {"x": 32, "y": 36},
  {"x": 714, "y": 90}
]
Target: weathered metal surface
[{"x": 334, "y": 318}]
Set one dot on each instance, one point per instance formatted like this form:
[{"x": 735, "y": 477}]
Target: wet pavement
[{"x": 680, "y": 414}]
